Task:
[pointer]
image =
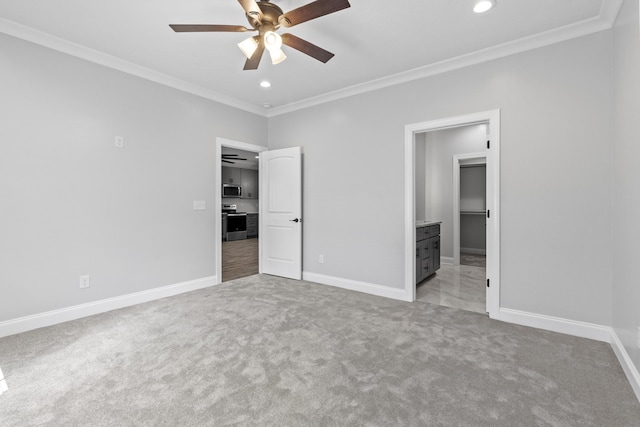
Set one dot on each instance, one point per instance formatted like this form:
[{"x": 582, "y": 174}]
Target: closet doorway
[{"x": 470, "y": 209}]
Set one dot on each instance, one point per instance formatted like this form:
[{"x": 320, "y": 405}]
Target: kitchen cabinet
[
  {"x": 427, "y": 250},
  {"x": 252, "y": 225},
  {"x": 249, "y": 183},
  {"x": 224, "y": 227},
  {"x": 246, "y": 178},
  {"x": 231, "y": 175}
]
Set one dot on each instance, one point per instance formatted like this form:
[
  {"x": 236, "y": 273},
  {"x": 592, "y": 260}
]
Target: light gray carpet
[{"x": 273, "y": 352}]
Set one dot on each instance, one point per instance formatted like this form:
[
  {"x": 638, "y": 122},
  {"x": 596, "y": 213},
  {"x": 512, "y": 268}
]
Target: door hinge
[
  {"x": 488, "y": 213},
  {"x": 488, "y": 144},
  {"x": 488, "y": 284}
]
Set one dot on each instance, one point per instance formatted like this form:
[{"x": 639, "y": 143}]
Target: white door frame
[
  {"x": 222, "y": 142},
  {"x": 457, "y": 159},
  {"x": 493, "y": 183}
]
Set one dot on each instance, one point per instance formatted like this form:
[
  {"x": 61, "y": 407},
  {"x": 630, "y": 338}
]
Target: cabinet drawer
[
  {"x": 426, "y": 268},
  {"x": 434, "y": 230},
  {"x": 425, "y": 252},
  {"x": 422, "y": 233}
]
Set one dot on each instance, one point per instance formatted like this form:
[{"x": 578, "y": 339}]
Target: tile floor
[{"x": 458, "y": 286}]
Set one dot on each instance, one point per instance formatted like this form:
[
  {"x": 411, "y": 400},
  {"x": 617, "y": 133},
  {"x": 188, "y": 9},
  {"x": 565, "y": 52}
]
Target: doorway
[
  {"x": 469, "y": 207},
  {"x": 241, "y": 256},
  {"x": 492, "y": 120}
]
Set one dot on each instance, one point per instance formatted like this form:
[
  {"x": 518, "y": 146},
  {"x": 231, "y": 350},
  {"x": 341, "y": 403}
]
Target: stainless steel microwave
[{"x": 231, "y": 190}]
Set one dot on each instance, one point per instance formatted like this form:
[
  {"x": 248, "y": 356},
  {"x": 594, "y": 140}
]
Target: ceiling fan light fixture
[
  {"x": 248, "y": 46},
  {"x": 277, "y": 56},
  {"x": 272, "y": 40},
  {"x": 482, "y": 6}
]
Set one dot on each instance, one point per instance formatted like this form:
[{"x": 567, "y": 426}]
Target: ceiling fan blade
[
  {"x": 191, "y": 28},
  {"x": 251, "y": 8},
  {"x": 305, "y": 47},
  {"x": 311, "y": 11},
  {"x": 230, "y": 155},
  {"x": 227, "y": 161},
  {"x": 253, "y": 62}
]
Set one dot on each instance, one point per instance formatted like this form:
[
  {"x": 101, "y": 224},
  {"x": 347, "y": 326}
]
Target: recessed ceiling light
[
  {"x": 482, "y": 6},
  {"x": 265, "y": 83},
  {"x": 267, "y": 105}
]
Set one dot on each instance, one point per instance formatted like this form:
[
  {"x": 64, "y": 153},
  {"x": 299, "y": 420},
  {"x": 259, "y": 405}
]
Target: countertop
[
  {"x": 248, "y": 213},
  {"x": 424, "y": 223}
]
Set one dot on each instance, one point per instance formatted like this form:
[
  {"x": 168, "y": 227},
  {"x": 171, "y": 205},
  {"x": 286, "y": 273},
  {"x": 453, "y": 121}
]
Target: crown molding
[
  {"x": 604, "y": 21},
  {"x": 61, "y": 45}
]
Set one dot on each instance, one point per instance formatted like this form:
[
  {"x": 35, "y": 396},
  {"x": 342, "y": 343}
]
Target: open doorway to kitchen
[
  {"x": 435, "y": 152},
  {"x": 237, "y": 211}
]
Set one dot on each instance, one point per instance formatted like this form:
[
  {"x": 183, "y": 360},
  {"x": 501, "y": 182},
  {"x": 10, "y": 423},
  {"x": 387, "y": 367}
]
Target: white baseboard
[
  {"x": 446, "y": 260},
  {"x": 473, "y": 251},
  {"x": 353, "y": 285},
  {"x": 556, "y": 324},
  {"x": 40, "y": 320},
  {"x": 579, "y": 329},
  {"x": 627, "y": 364}
]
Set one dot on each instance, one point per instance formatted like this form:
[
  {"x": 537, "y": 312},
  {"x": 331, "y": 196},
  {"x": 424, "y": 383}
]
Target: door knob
[{"x": 295, "y": 220}]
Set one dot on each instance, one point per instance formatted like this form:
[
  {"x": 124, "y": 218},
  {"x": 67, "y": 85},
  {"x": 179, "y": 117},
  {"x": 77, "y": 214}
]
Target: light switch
[{"x": 199, "y": 205}]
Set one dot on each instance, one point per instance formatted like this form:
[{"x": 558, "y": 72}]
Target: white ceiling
[{"x": 376, "y": 43}]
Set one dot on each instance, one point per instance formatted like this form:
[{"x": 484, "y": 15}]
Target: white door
[{"x": 281, "y": 212}]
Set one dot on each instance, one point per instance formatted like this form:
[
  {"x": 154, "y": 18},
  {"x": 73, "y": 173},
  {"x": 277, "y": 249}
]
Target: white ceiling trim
[
  {"x": 61, "y": 45},
  {"x": 604, "y": 21}
]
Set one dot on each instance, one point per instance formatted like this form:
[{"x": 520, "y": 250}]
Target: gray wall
[
  {"x": 442, "y": 145},
  {"x": 73, "y": 204},
  {"x": 556, "y": 164},
  {"x": 626, "y": 287}
]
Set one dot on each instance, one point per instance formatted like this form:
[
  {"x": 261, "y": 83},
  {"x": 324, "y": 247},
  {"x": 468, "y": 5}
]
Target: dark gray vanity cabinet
[{"x": 427, "y": 251}]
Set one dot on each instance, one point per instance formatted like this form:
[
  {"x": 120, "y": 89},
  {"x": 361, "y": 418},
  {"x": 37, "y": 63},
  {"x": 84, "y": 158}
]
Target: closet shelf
[{"x": 473, "y": 212}]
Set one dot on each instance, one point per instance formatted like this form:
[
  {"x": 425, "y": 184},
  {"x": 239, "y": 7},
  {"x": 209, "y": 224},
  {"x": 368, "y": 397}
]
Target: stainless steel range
[{"x": 236, "y": 223}]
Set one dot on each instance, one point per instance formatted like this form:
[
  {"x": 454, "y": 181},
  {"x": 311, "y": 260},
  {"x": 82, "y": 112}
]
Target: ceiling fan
[
  {"x": 226, "y": 158},
  {"x": 266, "y": 17}
]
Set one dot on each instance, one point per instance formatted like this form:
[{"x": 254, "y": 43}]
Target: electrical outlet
[
  {"x": 119, "y": 143},
  {"x": 85, "y": 281},
  {"x": 321, "y": 259},
  {"x": 199, "y": 205}
]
